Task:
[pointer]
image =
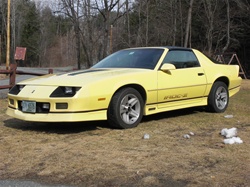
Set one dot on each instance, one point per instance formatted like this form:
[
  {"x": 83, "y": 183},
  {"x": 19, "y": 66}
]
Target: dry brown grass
[{"x": 91, "y": 154}]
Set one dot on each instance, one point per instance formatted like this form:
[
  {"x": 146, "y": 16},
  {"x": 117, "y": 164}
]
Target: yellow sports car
[{"x": 127, "y": 85}]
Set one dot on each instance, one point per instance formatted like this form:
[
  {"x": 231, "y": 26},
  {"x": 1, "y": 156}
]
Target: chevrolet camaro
[{"x": 127, "y": 85}]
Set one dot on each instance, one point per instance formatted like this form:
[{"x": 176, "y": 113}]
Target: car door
[{"x": 185, "y": 84}]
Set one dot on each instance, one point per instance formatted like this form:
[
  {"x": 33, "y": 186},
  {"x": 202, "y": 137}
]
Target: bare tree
[
  {"x": 216, "y": 25},
  {"x": 210, "y": 8},
  {"x": 174, "y": 20},
  {"x": 106, "y": 8},
  {"x": 228, "y": 27},
  {"x": 188, "y": 25},
  {"x": 87, "y": 36},
  {"x": 71, "y": 9},
  {"x": 92, "y": 21},
  {"x": 128, "y": 23}
]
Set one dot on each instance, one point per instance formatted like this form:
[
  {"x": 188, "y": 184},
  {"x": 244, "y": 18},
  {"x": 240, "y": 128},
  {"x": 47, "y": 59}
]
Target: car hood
[{"x": 83, "y": 77}]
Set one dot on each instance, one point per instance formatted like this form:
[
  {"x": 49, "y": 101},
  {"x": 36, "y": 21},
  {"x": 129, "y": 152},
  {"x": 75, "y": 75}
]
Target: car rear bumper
[
  {"x": 234, "y": 86},
  {"x": 233, "y": 91}
]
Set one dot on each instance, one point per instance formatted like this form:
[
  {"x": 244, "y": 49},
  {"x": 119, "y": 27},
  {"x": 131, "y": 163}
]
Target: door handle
[{"x": 200, "y": 74}]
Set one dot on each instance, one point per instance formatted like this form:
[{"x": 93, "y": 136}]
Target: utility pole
[
  {"x": 111, "y": 40},
  {"x": 8, "y": 37}
]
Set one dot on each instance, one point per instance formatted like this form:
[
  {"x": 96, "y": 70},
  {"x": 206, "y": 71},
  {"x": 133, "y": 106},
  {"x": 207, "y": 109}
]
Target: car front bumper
[{"x": 58, "y": 117}]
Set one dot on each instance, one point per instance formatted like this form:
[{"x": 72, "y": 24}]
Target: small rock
[
  {"x": 186, "y": 136},
  {"x": 228, "y": 116},
  {"x": 191, "y": 133},
  {"x": 146, "y": 136}
]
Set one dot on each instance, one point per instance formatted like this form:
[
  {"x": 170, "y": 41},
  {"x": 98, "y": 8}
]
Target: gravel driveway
[{"x": 18, "y": 183}]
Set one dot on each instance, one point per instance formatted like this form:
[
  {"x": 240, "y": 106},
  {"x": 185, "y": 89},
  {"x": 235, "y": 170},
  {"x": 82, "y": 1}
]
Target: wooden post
[
  {"x": 13, "y": 74},
  {"x": 50, "y": 71},
  {"x": 0, "y": 49}
]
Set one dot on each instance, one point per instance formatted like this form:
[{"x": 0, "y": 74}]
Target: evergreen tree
[{"x": 30, "y": 30}]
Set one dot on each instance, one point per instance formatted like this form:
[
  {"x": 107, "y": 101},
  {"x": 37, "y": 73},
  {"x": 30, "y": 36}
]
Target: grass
[{"x": 92, "y": 154}]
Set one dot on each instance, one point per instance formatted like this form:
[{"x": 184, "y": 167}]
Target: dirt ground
[{"x": 92, "y": 154}]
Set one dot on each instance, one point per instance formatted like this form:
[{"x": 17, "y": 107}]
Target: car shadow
[
  {"x": 56, "y": 127},
  {"x": 79, "y": 127},
  {"x": 173, "y": 114}
]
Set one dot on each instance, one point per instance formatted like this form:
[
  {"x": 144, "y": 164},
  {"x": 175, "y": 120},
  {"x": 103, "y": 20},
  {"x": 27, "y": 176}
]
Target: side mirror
[{"x": 167, "y": 67}]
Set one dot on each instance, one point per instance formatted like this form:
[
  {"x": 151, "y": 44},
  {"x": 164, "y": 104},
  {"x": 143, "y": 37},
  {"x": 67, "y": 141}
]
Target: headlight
[
  {"x": 16, "y": 89},
  {"x": 65, "y": 91},
  {"x": 69, "y": 90}
]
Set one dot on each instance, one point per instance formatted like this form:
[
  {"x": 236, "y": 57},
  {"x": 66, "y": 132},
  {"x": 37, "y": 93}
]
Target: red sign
[{"x": 20, "y": 53}]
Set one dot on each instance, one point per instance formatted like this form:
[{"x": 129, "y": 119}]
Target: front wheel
[
  {"x": 125, "y": 109},
  {"x": 218, "y": 97}
]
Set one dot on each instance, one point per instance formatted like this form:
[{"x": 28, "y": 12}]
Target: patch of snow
[
  {"x": 229, "y": 133},
  {"x": 231, "y": 136},
  {"x": 233, "y": 140}
]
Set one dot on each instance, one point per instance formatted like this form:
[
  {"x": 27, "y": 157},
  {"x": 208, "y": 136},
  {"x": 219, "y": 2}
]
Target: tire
[
  {"x": 125, "y": 109},
  {"x": 218, "y": 98}
]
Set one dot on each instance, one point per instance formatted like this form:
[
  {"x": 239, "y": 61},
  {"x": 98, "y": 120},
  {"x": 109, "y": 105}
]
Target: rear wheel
[
  {"x": 218, "y": 97},
  {"x": 125, "y": 109}
]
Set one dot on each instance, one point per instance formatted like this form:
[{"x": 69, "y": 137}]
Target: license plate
[{"x": 29, "y": 106}]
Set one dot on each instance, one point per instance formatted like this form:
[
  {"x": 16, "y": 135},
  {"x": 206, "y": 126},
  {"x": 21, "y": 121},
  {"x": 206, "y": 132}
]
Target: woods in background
[{"x": 81, "y": 32}]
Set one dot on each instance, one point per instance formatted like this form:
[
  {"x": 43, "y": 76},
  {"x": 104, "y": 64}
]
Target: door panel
[{"x": 181, "y": 86}]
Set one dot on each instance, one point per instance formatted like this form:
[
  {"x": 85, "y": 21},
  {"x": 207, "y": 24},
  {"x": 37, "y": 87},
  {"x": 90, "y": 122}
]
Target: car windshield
[{"x": 132, "y": 58}]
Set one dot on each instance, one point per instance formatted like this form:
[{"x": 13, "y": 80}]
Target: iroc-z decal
[{"x": 178, "y": 96}]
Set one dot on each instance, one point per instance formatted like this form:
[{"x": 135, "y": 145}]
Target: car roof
[
  {"x": 166, "y": 47},
  {"x": 177, "y": 47}
]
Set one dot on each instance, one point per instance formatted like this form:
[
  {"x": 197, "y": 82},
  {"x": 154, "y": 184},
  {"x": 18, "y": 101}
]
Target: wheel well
[
  {"x": 137, "y": 87},
  {"x": 223, "y": 79}
]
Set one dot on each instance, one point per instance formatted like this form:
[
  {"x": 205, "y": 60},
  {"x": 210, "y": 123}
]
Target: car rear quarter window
[{"x": 181, "y": 59}]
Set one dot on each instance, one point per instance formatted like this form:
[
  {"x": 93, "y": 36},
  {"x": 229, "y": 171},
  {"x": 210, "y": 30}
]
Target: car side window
[{"x": 181, "y": 59}]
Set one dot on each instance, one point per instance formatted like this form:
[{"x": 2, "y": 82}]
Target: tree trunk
[
  {"x": 147, "y": 22},
  {"x": 188, "y": 26},
  {"x": 69, "y": 6},
  {"x": 128, "y": 23},
  {"x": 174, "y": 20},
  {"x": 228, "y": 28},
  {"x": 78, "y": 44}
]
